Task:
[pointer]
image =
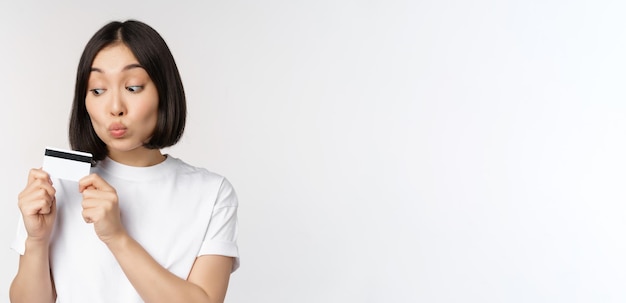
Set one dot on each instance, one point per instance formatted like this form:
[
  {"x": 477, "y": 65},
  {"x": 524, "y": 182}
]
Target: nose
[{"x": 118, "y": 108}]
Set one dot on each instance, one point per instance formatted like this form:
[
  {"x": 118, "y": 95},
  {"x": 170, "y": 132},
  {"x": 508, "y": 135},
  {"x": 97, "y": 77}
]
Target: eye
[
  {"x": 97, "y": 91},
  {"x": 134, "y": 88}
]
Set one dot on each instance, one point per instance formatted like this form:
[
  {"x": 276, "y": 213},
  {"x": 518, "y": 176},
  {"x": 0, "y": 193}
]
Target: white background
[{"x": 382, "y": 151}]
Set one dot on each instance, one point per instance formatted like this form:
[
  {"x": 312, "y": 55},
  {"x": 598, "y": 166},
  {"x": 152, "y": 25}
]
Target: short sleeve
[
  {"x": 19, "y": 242},
  {"x": 221, "y": 235}
]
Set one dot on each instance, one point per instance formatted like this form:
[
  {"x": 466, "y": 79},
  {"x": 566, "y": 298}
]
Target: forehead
[{"x": 114, "y": 58}]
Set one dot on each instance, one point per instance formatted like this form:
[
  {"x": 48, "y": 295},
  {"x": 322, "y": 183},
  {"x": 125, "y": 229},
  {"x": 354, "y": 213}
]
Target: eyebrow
[{"x": 127, "y": 67}]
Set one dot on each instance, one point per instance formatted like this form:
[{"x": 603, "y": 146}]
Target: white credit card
[{"x": 66, "y": 164}]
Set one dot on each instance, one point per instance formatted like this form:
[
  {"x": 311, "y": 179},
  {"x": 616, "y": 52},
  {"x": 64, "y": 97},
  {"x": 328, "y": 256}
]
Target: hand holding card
[{"x": 66, "y": 164}]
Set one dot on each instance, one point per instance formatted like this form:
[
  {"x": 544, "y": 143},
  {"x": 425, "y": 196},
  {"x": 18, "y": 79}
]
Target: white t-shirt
[{"x": 177, "y": 212}]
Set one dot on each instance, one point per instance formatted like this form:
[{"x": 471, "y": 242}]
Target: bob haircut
[{"x": 155, "y": 57}]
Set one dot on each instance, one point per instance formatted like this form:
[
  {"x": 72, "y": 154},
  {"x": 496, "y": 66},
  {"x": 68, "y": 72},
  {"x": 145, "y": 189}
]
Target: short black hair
[{"x": 155, "y": 57}]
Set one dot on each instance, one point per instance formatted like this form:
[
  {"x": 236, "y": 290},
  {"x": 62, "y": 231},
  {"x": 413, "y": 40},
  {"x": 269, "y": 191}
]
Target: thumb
[{"x": 94, "y": 181}]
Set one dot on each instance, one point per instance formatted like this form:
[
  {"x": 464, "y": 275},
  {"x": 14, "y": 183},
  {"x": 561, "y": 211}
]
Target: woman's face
[{"x": 122, "y": 101}]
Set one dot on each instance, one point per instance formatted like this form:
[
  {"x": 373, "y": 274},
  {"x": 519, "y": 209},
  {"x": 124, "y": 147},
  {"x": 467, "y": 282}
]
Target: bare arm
[
  {"x": 209, "y": 276},
  {"x": 207, "y": 281},
  {"x": 33, "y": 282}
]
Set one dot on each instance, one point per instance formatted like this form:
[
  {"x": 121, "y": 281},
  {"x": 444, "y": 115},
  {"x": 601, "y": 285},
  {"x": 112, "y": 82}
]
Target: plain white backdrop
[{"x": 382, "y": 151}]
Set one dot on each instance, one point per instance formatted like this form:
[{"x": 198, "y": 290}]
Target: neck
[{"x": 138, "y": 157}]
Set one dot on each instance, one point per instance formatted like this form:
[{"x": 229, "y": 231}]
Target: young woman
[{"x": 143, "y": 226}]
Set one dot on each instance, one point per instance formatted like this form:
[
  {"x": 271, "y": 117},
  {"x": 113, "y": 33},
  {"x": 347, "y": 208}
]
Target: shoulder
[
  {"x": 183, "y": 168},
  {"x": 194, "y": 175}
]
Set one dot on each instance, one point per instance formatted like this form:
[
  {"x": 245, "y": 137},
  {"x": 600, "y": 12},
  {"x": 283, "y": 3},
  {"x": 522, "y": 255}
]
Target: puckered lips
[{"x": 117, "y": 130}]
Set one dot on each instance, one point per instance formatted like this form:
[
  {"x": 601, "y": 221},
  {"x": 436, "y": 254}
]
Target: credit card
[{"x": 66, "y": 164}]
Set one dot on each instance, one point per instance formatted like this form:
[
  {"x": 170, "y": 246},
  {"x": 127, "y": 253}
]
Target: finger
[
  {"x": 35, "y": 194},
  {"x": 94, "y": 180},
  {"x": 39, "y": 184},
  {"x": 45, "y": 210},
  {"x": 94, "y": 198},
  {"x": 92, "y": 215},
  {"x": 53, "y": 205},
  {"x": 92, "y": 193},
  {"x": 87, "y": 213},
  {"x": 34, "y": 207},
  {"x": 37, "y": 173},
  {"x": 89, "y": 203}
]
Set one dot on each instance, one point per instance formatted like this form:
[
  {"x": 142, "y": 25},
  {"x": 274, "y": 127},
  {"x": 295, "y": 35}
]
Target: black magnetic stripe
[{"x": 64, "y": 155}]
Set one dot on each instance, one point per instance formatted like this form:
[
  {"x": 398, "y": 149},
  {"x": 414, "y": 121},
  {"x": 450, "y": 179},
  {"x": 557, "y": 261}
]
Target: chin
[{"x": 126, "y": 148}]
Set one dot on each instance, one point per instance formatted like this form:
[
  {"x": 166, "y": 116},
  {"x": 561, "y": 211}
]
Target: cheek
[
  {"x": 150, "y": 111},
  {"x": 150, "y": 106},
  {"x": 154, "y": 119},
  {"x": 91, "y": 112}
]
